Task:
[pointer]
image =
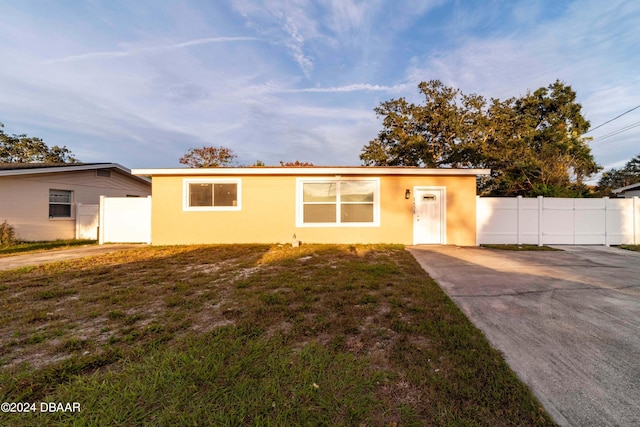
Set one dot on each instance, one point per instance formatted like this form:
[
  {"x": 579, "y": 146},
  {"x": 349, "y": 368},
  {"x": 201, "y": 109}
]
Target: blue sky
[{"x": 138, "y": 82}]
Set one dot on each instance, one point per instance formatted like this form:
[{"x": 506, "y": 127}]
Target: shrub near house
[{"x": 7, "y": 234}]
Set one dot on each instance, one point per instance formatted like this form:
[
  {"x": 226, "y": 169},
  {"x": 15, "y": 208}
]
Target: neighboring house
[
  {"x": 629, "y": 191},
  {"x": 45, "y": 201},
  {"x": 314, "y": 205}
]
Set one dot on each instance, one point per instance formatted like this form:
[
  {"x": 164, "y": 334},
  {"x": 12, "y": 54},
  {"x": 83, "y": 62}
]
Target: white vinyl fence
[
  {"x": 557, "y": 221},
  {"x": 125, "y": 220}
]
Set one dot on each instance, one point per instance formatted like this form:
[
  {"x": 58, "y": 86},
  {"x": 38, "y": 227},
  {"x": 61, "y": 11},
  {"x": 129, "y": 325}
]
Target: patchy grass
[
  {"x": 514, "y": 247},
  {"x": 249, "y": 335},
  {"x": 22, "y": 247},
  {"x": 635, "y": 248}
]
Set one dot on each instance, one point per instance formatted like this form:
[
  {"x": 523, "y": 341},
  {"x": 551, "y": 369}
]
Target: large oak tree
[{"x": 532, "y": 144}]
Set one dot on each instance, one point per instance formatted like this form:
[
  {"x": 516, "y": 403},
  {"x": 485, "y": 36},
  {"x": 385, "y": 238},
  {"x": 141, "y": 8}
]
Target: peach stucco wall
[{"x": 268, "y": 213}]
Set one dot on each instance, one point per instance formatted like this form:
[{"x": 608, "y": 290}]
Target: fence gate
[
  {"x": 87, "y": 220},
  {"x": 125, "y": 220}
]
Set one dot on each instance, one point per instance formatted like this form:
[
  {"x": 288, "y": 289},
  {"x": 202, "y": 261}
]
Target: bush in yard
[{"x": 7, "y": 234}]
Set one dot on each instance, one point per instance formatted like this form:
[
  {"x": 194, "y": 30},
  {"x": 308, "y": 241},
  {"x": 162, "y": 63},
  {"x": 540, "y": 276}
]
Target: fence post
[
  {"x": 573, "y": 220},
  {"x": 150, "y": 218},
  {"x": 635, "y": 218},
  {"x": 101, "y": 221},
  {"x": 606, "y": 227},
  {"x": 518, "y": 206},
  {"x": 477, "y": 228},
  {"x": 540, "y": 203}
]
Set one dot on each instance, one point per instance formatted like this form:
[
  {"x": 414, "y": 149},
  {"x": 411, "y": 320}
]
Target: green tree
[
  {"x": 416, "y": 135},
  {"x": 25, "y": 149},
  {"x": 616, "y": 178},
  {"x": 208, "y": 157},
  {"x": 532, "y": 144}
]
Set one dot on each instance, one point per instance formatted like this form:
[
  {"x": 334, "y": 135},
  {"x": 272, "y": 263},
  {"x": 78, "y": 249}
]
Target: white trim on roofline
[
  {"x": 628, "y": 187},
  {"x": 70, "y": 168},
  {"x": 314, "y": 171}
]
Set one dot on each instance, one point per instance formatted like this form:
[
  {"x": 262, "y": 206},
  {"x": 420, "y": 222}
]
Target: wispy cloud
[
  {"x": 136, "y": 51},
  {"x": 350, "y": 16},
  {"x": 358, "y": 87},
  {"x": 295, "y": 43}
]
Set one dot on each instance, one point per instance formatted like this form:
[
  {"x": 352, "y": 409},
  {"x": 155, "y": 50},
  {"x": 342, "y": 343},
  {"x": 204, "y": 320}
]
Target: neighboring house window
[
  {"x": 60, "y": 203},
  {"x": 211, "y": 195},
  {"x": 342, "y": 202}
]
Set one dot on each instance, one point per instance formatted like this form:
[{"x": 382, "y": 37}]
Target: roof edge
[
  {"x": 628, "y": 187},
  {"x": 300, "y": 171},
  {"x": 71, "y": 168}
]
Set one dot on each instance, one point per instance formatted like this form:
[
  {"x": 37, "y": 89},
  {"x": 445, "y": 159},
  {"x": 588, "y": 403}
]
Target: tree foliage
[
  {"x": 532, "y": 144},
  {"x": 208, "y": 157},
  {"x": 25, "y": 149},
  {"x": 617, "y": 178},
  {"x": 297, "y": 163}
]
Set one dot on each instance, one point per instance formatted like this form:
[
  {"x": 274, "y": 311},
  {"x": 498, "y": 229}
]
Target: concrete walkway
[
  {"x": 53, "y": 255},
  {"x": 568, "y": 323}
]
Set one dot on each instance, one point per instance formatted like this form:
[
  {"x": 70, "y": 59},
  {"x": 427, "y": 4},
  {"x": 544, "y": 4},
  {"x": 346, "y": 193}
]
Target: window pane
[
  {"x": 225, "y": 195},
  {"x": 59, "y": 196},
  {"x": 200, "y": 194},
  {"x": 319, "y": 192},
  {"x": 356, "y": 212},
  {"x": 320, "y": 213},
  {"x": 357, "y": 191},
  {"x": 60, "y": 211}
]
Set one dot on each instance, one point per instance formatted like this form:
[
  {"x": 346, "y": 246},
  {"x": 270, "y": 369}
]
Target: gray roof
[
  {"x": 627, "y": 188},
  {"x": 21, "y": 166},
  {"x": 15, "y": 169}
]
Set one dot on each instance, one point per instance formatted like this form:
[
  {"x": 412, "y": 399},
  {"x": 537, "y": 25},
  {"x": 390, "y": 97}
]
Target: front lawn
[{"x": 249, "y": 335}]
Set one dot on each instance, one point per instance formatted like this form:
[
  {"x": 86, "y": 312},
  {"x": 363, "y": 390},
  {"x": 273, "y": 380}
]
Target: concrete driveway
[
  {"x": 568, "y": 323},
  {"x": 17, "y": 261}
]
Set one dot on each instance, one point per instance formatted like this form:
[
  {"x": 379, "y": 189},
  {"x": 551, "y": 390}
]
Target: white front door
[{"x": 429, "y": 216}]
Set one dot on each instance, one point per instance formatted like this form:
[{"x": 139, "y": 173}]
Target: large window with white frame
[
  {"x": 212, "y": 194},
  {"x": 348, "y": 202}
]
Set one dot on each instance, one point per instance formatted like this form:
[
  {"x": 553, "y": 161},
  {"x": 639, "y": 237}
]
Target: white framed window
[
  {"x": 211, "y": 194},
  {"x": 341, "y": 202},
  {"x": 60, "y": 202}
]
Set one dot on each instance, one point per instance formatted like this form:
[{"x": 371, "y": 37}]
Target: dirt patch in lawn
[{"x": 117, "y": 299}]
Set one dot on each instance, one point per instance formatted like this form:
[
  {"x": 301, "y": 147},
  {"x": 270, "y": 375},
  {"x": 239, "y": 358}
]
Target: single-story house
[
  {"x": 629, "y": 191},
  {"x": 313, "y": 204},
  {"x": 43, "y": 201}
]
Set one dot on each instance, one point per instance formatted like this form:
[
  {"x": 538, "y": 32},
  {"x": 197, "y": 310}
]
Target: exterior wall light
[{"x": 407, "y": 194}]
